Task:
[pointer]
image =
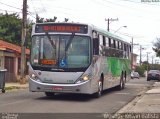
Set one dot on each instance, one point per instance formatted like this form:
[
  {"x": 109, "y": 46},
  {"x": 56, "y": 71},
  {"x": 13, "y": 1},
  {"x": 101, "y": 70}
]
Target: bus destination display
[{"x": 76, "y": 28}]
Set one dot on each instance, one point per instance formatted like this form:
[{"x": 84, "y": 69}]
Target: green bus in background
[{"x": 77, "y": 58}]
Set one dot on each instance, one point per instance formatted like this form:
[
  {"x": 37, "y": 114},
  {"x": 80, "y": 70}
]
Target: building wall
[
  {"x": 10, "y": 59},
  {"x": 9, "y": 65},
  {"x": 1, "y": 59}
]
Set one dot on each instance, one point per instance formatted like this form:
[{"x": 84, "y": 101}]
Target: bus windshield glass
[{"x": 60, "y": 51}]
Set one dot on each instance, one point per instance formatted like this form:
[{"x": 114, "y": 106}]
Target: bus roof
[
  {"x": 93, "y": 27},
  {"x": 109, "y": 34}
]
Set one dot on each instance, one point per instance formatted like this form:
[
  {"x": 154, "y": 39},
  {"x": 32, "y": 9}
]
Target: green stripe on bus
[{"x": 116, "y": 65}]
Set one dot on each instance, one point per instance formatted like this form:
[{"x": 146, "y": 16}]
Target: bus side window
[
  {"x": 112, "y": 43},
  {"x": 101, "y": 44},
  {"x": 95, "y": 43},
  {"x": 107, "y": 42},
  {"x": 95, "y": 46},
  {"x": 122, "y": 47},
  {"x": 125, "y": 51},
  {"x": 117, "y": 44},
  {"x": 104, "y": 41}
]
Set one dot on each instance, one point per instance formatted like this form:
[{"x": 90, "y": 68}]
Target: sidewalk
[
  {"x": 11, "y": 86},
  {"x": 149, "y": 102}
]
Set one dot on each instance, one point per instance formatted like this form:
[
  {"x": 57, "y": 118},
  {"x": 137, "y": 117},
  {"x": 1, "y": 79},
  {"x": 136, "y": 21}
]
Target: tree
[
  {"x": 157, "y": 47},
  {"x": 42, "y": 20},
  {"x": 10, "y": 28},
  {"x": 140, "y": 70}
]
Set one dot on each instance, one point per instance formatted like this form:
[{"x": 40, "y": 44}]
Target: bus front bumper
[{"x": 36, "y": 86}]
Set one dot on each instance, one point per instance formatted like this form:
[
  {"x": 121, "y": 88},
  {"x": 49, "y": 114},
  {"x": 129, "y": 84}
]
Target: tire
[
  {"x": 49, "y": 94},
  {"x": 100, "y": 89},
  {"x": 122, "y": 83}
]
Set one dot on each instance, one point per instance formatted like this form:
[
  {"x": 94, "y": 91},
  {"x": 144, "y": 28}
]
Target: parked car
[
  {"x": 134, "y": 75},
  {"x": 153, "y": 75}
]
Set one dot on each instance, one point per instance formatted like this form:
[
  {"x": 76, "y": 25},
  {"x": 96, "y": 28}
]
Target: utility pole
[
  {"x": 23, "y": 40},
  {"x": 132, "y": 45},
  {"x": 140, "y": 60},
  {"x": 147, "y": 62},
  {"x": 109, "y": 20},
  {"x": 132, "y": 54},
  {"x": 147, "y": 56}
]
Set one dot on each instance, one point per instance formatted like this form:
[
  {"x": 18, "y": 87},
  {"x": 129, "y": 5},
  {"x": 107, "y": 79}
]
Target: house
[{"x": 10, "y": 59}]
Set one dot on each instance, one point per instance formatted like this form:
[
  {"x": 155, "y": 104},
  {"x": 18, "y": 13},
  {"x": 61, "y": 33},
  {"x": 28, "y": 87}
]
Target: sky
[{"x": 140, "y": 16}]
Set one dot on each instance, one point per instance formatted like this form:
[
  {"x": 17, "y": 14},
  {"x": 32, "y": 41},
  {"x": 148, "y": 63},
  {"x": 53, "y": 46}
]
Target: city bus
[{"x": 77, "y": 58}]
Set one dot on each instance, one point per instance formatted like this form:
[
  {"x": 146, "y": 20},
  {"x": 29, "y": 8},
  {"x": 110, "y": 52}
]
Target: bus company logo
[{"x": 149, "y": 1}]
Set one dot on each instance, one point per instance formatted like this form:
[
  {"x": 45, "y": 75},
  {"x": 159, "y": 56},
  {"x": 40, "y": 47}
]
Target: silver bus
[{"x": 77, "y": 58}]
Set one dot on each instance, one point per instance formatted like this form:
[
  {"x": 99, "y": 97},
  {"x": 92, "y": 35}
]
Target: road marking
[
  {"x": 135, "y": 84},
  {"x": 123, "y": 93}
]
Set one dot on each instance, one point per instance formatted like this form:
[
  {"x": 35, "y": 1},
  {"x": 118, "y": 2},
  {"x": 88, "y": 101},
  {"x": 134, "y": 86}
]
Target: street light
[{"x": 120, "y": 28}]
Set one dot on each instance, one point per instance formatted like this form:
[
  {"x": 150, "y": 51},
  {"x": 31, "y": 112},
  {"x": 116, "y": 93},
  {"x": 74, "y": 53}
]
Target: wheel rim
[{"x": 122, "y": 82}]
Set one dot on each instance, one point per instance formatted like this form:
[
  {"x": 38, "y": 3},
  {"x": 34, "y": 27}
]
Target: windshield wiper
[
  {"x": 70, "y": 41},
  {"x": 49, "y": 37}
]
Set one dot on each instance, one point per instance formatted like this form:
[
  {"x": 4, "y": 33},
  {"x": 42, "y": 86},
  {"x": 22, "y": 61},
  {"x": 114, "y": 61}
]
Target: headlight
[
  {"x": 34, "y": 77},
  {"x": 84, "y": 78}
]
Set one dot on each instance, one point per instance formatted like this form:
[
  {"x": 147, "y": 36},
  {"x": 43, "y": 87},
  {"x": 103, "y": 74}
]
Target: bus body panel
[
  {"x": 111, "y": 68},
  {"x": 83, "y": 88},
  {"x": 63, "y": 87}
]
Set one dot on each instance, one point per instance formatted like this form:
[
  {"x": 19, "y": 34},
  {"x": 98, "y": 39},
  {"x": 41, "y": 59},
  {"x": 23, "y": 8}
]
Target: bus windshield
[{"x": 60, "y": 51}]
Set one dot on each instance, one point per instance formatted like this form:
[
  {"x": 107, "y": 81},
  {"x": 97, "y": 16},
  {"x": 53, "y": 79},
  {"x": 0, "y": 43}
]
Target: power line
[
  {"x": 10, "y": 6},
  {"x": 34, "y": 7},
  {"x": 30, "y": 14},
  {"x": 122, "y": 5},
  {"x": 9, "y": 11},
  {"x": 127, "y": 34},
  {"x": 43, "y": 6}
]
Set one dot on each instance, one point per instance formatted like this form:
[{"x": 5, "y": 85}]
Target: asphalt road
[{"x": 23, "y": 101}]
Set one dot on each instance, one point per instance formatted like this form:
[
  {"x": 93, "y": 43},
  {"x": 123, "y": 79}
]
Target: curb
[
  {"x": 9, "y": 88},
  {"x": 14, "y": 87}
]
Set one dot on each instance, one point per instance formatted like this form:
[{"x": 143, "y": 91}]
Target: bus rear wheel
[
  {"x": 49, "y": 94},
  {"x": 122, "y": 83}
]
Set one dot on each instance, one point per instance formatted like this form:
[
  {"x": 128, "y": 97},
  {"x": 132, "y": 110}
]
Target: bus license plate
[{"x": 57, "y": 88}]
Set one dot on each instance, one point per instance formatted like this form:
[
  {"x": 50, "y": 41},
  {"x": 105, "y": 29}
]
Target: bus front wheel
[{"x": 100, "y": 89}]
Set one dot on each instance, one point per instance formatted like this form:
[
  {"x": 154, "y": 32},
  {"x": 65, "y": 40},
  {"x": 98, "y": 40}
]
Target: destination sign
[
  {"x": 48, "y": 62},
  {"x": 76, "y": 28}
]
